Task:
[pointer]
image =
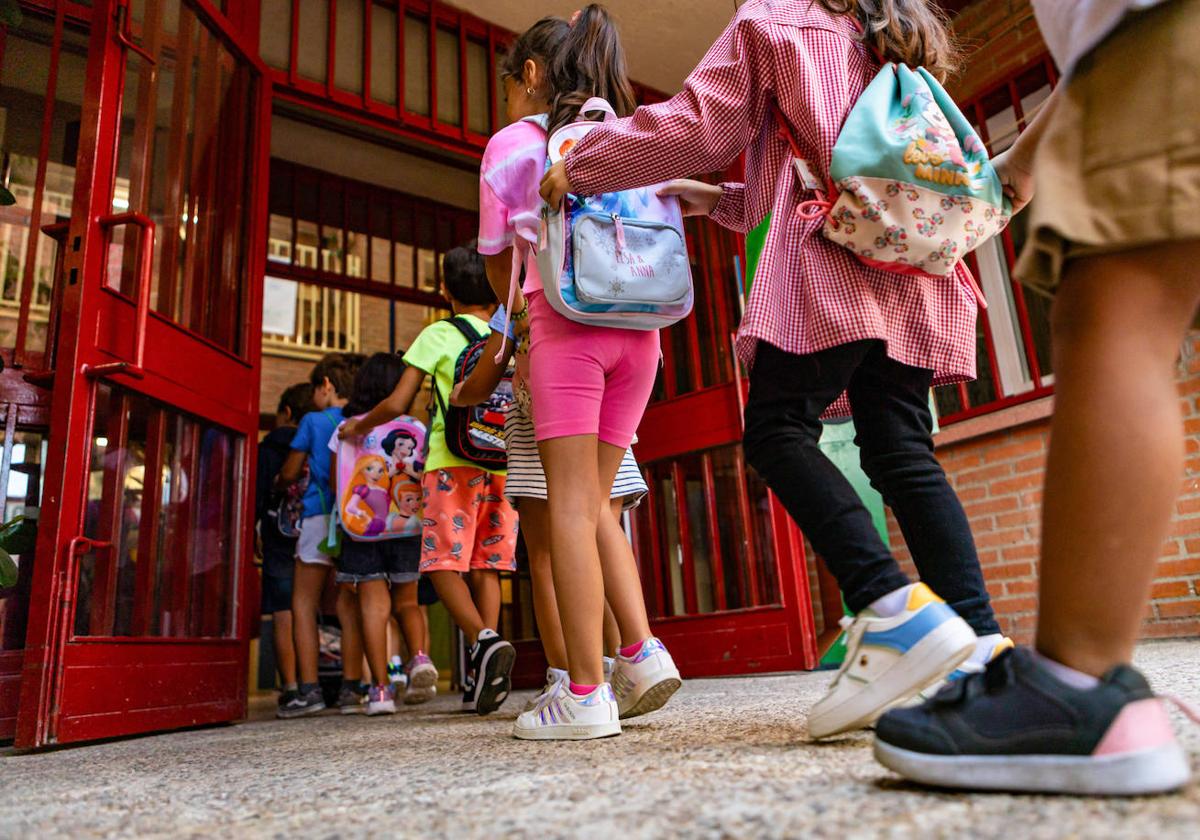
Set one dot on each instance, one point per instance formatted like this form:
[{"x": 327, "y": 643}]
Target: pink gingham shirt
[{"x": 808, "y": 294}]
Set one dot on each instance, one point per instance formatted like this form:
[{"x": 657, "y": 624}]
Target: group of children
[{"x": 1070, "y": 715}]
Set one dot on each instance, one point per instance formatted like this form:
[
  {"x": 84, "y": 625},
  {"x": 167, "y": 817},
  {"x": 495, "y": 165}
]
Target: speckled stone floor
[{"x": 728, "y": 758}]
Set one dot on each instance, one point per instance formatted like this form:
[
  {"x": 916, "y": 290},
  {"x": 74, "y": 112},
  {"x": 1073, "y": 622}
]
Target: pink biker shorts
[{"x": 588, "y": 380}]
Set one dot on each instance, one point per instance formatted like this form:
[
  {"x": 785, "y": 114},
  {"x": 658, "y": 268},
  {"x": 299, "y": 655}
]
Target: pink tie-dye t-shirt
[{"x": 509, "y": 205}]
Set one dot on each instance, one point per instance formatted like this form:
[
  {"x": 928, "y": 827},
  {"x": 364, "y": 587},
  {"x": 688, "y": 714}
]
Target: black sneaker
[
  {"x": 286, "y": 696},
  {"x": 492, "y": 661},
  {"x": 308, "y": 700},
  {"x": 468, "y": 700},
  {"x": 1017, "y": 727},
  {"x": 352, "y": 699}
]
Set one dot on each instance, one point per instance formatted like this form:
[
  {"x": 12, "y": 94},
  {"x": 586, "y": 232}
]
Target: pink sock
[
  {"x": 632, "y": 650},
  {"x": 581, "y": 690}
]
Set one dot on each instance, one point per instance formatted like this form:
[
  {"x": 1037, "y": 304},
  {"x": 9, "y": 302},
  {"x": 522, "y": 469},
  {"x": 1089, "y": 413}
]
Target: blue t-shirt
[
  {"x": 497, "y": 324},
  {"x": 312, "y": 438}
]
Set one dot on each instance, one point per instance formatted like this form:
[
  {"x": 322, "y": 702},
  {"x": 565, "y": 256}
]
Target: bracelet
[{"x": 522, "y": 315}]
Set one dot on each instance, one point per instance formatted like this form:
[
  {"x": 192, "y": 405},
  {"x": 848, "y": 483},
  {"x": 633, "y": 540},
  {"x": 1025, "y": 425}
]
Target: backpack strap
[
  {"x": 468, "y": 332},
  {"x": 813, "y": 208},
  {"x": 597, "y": 104}
]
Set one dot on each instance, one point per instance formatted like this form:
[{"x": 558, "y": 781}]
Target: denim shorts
[{"x": 396, "y": 560}]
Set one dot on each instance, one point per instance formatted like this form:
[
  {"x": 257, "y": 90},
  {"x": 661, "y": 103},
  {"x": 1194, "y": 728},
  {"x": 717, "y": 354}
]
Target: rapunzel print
[{"x": 365, "y": 502}]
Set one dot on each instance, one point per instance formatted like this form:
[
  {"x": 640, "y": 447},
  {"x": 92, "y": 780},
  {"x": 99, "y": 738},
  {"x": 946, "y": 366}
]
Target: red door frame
[{"x": 86, "y": 688}]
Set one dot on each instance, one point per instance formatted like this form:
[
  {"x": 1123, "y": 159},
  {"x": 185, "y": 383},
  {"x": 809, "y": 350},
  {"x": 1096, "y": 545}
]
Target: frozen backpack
[
  {"x": 910, "y": 188},
  {"x": 476, "y": 433},
  {"x": 615, "y": 259},
  {"x": 379, "y": 481}
]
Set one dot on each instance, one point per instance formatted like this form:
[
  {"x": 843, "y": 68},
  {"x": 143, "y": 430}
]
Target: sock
[
  {"x": 631, "y": 651},
  {"x": 892, "y": 603},
  {"x": 290, "y": 687},
  {"x": 485, "y": 633},
  {"x": 581, "y": 690},
  {"x": 308, "y": 688},
  {"x": 1066, "y": 674},
  {"x": 984, "y": 646}
]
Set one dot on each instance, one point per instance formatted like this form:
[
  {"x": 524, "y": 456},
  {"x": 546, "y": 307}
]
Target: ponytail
[
  {"x": 912, "y": 32},
  {"x": 539, "y": 43},
  {"x": 590, "y": 62}
]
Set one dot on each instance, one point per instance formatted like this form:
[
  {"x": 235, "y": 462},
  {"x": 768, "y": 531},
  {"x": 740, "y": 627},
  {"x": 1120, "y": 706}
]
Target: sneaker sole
[
  {"x": 353, "y": 710},
  {"x": 654, "y": 697},
  {"x": 416, "y": 698},
  {"x": 1159, "y": 770},
  {"x": 299, "y": 713},
  {"x": 568, "y": 732},
  {"x": 495, "y": 683},
  {"x": 381, "y": 709},
  {"x": 423, "y": 678},
  {"x": 930, "y": 660}
]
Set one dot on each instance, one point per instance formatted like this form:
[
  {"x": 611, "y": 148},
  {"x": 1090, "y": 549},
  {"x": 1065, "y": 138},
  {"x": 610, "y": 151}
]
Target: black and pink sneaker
[{"x": 1017, "y": 727}]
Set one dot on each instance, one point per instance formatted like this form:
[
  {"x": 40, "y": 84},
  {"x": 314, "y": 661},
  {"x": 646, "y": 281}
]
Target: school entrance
[{"x": 168, "y": 181}]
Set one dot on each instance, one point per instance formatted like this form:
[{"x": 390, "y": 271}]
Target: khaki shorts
[{"x": 1119, "y": 165}]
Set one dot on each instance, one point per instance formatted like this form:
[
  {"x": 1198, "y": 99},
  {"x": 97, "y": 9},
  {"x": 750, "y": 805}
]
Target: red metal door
[
  {"x": 723, "y": 567},
  {"x": 144, "y": 592}
]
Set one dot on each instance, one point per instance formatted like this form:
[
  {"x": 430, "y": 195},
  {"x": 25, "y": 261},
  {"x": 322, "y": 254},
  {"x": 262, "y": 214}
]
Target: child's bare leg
[
  {"x": 375, "y": 607},
  {"x": 1116, "y": 452},
  {"x": 285, "y": 648},
  {"x": 408, "y": 615},
  {"x": 612, "y": 633},
  {"x": 352, "y": 634},
  {"x": 573, "y": 484},
  {"x": 622, "y": 582},
  {"x": 426, "y": 642},
  {"x": 485, "y": 592},
  {"x": 535, "y": 526},
  {"x": 307, "y": 585},
  {"x": 453, "y": 592}
]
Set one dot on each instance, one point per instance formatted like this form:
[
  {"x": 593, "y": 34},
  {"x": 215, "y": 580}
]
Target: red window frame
[{"x": 959, "y": 405}]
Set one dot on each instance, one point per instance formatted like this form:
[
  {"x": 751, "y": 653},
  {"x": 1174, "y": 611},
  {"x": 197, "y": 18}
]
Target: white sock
[
  {"x": 984, "y": 646},
  {"x": 1068, "y": 675},
  {"x": 893, "y": 603},
  {"x": 486, "y": 634}
]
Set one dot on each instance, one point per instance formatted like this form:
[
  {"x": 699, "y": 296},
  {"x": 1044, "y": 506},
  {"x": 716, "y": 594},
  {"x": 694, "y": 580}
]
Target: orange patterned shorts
[{"x": 467, "y": 523}]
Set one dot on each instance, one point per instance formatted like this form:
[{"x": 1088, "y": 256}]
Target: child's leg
[
  {"x": 485, "y": 592},
  {"x": 375, "y": 608},
  {"x": 456, "y": 595},
  {"x": 573, "y": 485},
  {"x": 285, "y": 649},
  {"x": 306, "y": 601},
  {"x": 535, "y": 526},
  {"x": 622, "y": 582},
  {"x": 352, "y": 634},
  {"x": 426, "y": 641},
  {"x": 1116, "y": 451},
  {"x": 408, "y": 615},
  {"x": 612, "y": 632}
]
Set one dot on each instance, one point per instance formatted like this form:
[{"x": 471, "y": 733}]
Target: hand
[
  {"x": 555, "y": 184},
  {"x": 696, "y": 197},
  {"x": 349, "y": 430},
  {"x": 1016, "y": 175}
]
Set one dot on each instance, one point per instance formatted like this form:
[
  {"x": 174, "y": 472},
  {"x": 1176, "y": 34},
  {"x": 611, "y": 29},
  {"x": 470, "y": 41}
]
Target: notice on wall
[{"x": 279, "y": 306}]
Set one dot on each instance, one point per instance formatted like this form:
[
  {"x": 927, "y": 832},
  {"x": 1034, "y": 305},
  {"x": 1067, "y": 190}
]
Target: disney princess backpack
[
  {"x": 379, "y": 481},
  {"x": 911, "y": 188}
]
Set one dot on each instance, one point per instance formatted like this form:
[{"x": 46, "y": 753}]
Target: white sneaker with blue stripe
[
  {"x": 888, "y": 660},
  {"x": 560, "y": 715}
]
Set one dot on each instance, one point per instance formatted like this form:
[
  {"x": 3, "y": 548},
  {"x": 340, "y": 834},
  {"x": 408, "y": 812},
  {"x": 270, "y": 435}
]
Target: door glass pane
[
  {"x": 162, "y": 490},
  {"x": 275, "y": 33},
  {"x": 312, "y": 59},
  {"x": 184, "y": 160},
  {"x": 23, "y": 498},
  {"x": 416, "y": 65},
  {"x": 348, "y": 57},
  {"x": 449, "y": 108},
  {"x": 356, "y": 233},
  {"x": 699, "y": 546},
  {"x": 479, "y": 86},
  {"x": 383, "y": 54}
]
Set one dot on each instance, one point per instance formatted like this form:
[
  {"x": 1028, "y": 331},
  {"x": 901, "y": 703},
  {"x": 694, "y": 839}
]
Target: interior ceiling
[{"x": 663, "y": 38}]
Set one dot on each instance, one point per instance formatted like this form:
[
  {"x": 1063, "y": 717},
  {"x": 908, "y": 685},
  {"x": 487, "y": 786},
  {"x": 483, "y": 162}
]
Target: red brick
[
  {"x": 989, "y": 506},
  {"x": 982, "y": 475},
  {"x": 1171, "y": 589},
  {"x": 1017, "y": 484},
  {"x": 1009, "y": 570},
  {"x": 1028, "y": 445},
  {"x": 972, "y": 494},
  {"x": 1171, "y": 629},
  {"x": 1020, "y": 517},
  {"x": 1015, "y": 605},
  {"x": 1004, "y": 537},
  {"x": 1182, "y": 567},
  {"x": 1025, "y": 551},
  {"x": 1034, "y": 463},
  {"x": 1178, "y": 609},
  {"x": 1188, "y": 505},
  {"x": 1020, "y": 587}
]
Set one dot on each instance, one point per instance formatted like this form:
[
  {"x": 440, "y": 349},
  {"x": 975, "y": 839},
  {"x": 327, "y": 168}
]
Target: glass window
[
  {"x": 312, "y": 58},
  {"x": 23, "y": 498},
  {"x": 449, "y": 108},
  {"x": 348, "y": 55},
  {"x": 383, "y": 54},
  {"x": 416, "y": 65},
  {"x": 479, "y": 87},
  {"x": 275, "y": 33}
]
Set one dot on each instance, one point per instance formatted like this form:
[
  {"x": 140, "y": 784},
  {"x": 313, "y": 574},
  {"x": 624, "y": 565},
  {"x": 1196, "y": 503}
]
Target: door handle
[
  {"x": 135, "y": 368},
  {"x": 123, "y": 34},
  {"x": 45, "y": 377}
]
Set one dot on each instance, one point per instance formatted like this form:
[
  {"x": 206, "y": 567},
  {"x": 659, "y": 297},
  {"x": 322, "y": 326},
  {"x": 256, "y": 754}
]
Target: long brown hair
[
  {"x": 912, "y": 32},
  {"x": 539, "y": 43},
  {"x": 590, "y": 62}
]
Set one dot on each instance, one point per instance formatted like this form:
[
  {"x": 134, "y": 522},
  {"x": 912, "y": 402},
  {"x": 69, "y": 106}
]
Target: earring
[{"x": 529, "y": 91}]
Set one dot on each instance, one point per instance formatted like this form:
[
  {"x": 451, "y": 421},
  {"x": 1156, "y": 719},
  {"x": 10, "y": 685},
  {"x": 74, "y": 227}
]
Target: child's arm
[
  {"x": 293, "y": 467},
  {"x": 486, "y": 376},
  {"x": 499, "y": 274},
  {"x": 1015, "y": 164},
  {"x": 392, "y": 406}
]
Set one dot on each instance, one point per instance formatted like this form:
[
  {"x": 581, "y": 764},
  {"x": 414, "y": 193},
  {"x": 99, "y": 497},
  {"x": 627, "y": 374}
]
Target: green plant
[{"x": 17, "y": 536}]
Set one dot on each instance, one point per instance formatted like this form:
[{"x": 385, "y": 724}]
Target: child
[
  {"x": 277, "y": 551},
  {"x": 1115, "y": 224},
  {"x": 468, "y": 528},
  {"x": 589, "y": 389},
  {"x": 332, "y": 380},
  {"x": 367, "y": 570},
  {"x": 819, "y": 324}
]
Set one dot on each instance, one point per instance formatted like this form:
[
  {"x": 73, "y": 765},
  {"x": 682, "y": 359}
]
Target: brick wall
[{"x": 999, "y": 479}]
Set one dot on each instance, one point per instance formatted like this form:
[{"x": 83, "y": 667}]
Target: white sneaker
[
  {"x": 561, "y": 716},
  {"x": 553, "y": 676},
  {"x": 888, "y": 660},
  {"x": 645, "y": 682},
  {"x": 381, "y": 700}
]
